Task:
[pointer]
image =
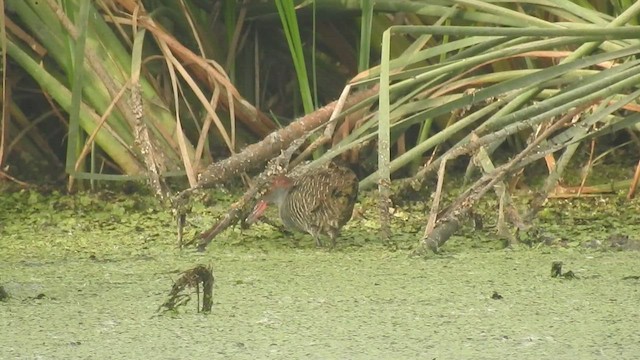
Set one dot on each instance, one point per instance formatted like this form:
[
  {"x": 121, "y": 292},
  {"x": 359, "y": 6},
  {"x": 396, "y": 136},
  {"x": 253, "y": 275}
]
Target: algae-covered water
[{"x": 87, "y": 284}]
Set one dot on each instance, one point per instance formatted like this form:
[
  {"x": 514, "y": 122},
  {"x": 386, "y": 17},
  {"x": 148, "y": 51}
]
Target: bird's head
[{"x": 276, "y": 194}]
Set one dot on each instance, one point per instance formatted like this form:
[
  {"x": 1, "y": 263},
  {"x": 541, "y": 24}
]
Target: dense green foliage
[{"x": 215, "y": 76}]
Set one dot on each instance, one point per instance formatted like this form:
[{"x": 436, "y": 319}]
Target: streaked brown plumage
[{"x": 319, "y": 202}]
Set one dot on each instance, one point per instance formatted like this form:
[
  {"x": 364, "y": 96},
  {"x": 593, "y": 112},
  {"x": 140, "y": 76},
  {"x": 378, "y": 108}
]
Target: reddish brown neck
[{"x": 279, "y": 190}]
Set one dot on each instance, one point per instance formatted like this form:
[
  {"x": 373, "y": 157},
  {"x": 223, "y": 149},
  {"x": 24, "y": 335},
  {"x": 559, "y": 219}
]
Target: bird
[{"x": 318, "y": 202}]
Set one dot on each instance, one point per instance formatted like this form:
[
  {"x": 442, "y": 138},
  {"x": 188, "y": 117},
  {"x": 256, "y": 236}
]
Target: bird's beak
[{"x": 257, "y": 212}]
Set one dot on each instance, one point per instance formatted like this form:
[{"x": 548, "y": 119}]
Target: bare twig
[
  {"x": 19, "y": 182},
  {"x": 152, "y": 157},
  {"x": 554, "y": 176},
  {"x": 634, "y": 183},
  {"x": 328, "y": 131},
  {"x": 452, "y": 219},
  {"x": 257, "y": 154},
  {"x": 191, "y": 278},
  {"x": 433, "y": 215}
]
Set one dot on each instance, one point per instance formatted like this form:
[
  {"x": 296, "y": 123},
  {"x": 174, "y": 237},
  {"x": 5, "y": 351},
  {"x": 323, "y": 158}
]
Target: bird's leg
[
  {"x": 313, "y": 231},
  {"x": 333, "y": 235}
]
